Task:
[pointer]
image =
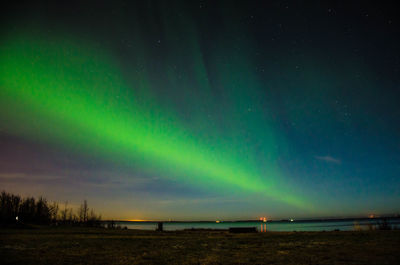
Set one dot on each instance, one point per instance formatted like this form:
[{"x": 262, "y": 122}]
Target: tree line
[{"x": 15, "y": 209}]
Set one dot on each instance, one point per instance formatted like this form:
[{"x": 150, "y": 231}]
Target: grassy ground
[{"x": 100, "y": 246}]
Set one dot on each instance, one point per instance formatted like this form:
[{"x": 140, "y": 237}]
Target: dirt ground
[{"x": 101, "y": 246}]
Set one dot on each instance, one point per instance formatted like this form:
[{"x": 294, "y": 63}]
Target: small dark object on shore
[
  {"x": 160, "y": 226},
  {"x": 242, "y": 230}
]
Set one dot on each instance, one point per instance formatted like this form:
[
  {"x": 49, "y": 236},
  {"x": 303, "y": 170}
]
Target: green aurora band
[{"x": 71, "y": 94}]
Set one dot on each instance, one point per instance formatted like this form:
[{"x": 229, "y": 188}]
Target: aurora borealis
[{"x": 201, "y": 110}]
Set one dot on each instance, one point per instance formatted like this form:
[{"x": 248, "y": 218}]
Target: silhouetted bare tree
[
  {"x": 64, "y": 212},
  {"x": 54, "y": 211}
]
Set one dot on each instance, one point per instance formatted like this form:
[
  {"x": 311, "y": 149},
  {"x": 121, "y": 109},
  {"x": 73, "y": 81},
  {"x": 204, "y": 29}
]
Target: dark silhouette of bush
[{"x": 10, "y": 205}]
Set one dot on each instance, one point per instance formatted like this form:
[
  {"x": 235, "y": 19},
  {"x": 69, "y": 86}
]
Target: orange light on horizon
[{"x": 138, "y": 220}]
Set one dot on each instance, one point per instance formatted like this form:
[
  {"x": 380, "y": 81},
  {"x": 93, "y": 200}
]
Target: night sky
[{"x": 199, "y": 110}]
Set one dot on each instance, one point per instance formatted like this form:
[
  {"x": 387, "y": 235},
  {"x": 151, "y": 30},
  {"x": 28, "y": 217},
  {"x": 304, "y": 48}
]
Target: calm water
[{"x": 268, "y": 226}]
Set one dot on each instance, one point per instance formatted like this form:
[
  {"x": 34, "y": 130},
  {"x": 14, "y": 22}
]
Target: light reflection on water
[{"x": 343, "y": 225}]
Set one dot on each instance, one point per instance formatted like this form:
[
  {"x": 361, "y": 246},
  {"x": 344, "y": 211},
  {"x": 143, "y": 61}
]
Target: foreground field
[{"x": 99, "y": 246}]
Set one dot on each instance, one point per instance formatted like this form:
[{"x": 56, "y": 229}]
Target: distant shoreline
[{"x": 268, "y": 221}]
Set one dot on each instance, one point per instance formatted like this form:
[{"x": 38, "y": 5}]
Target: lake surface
[{"x": 343, "y": 225}]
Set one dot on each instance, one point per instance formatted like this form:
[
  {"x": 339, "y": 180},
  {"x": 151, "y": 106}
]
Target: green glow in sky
[{"x": 71, "y": 94}]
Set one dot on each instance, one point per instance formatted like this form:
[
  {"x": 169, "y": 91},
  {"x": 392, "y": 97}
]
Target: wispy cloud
[{"x": 329, "y": 159}]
